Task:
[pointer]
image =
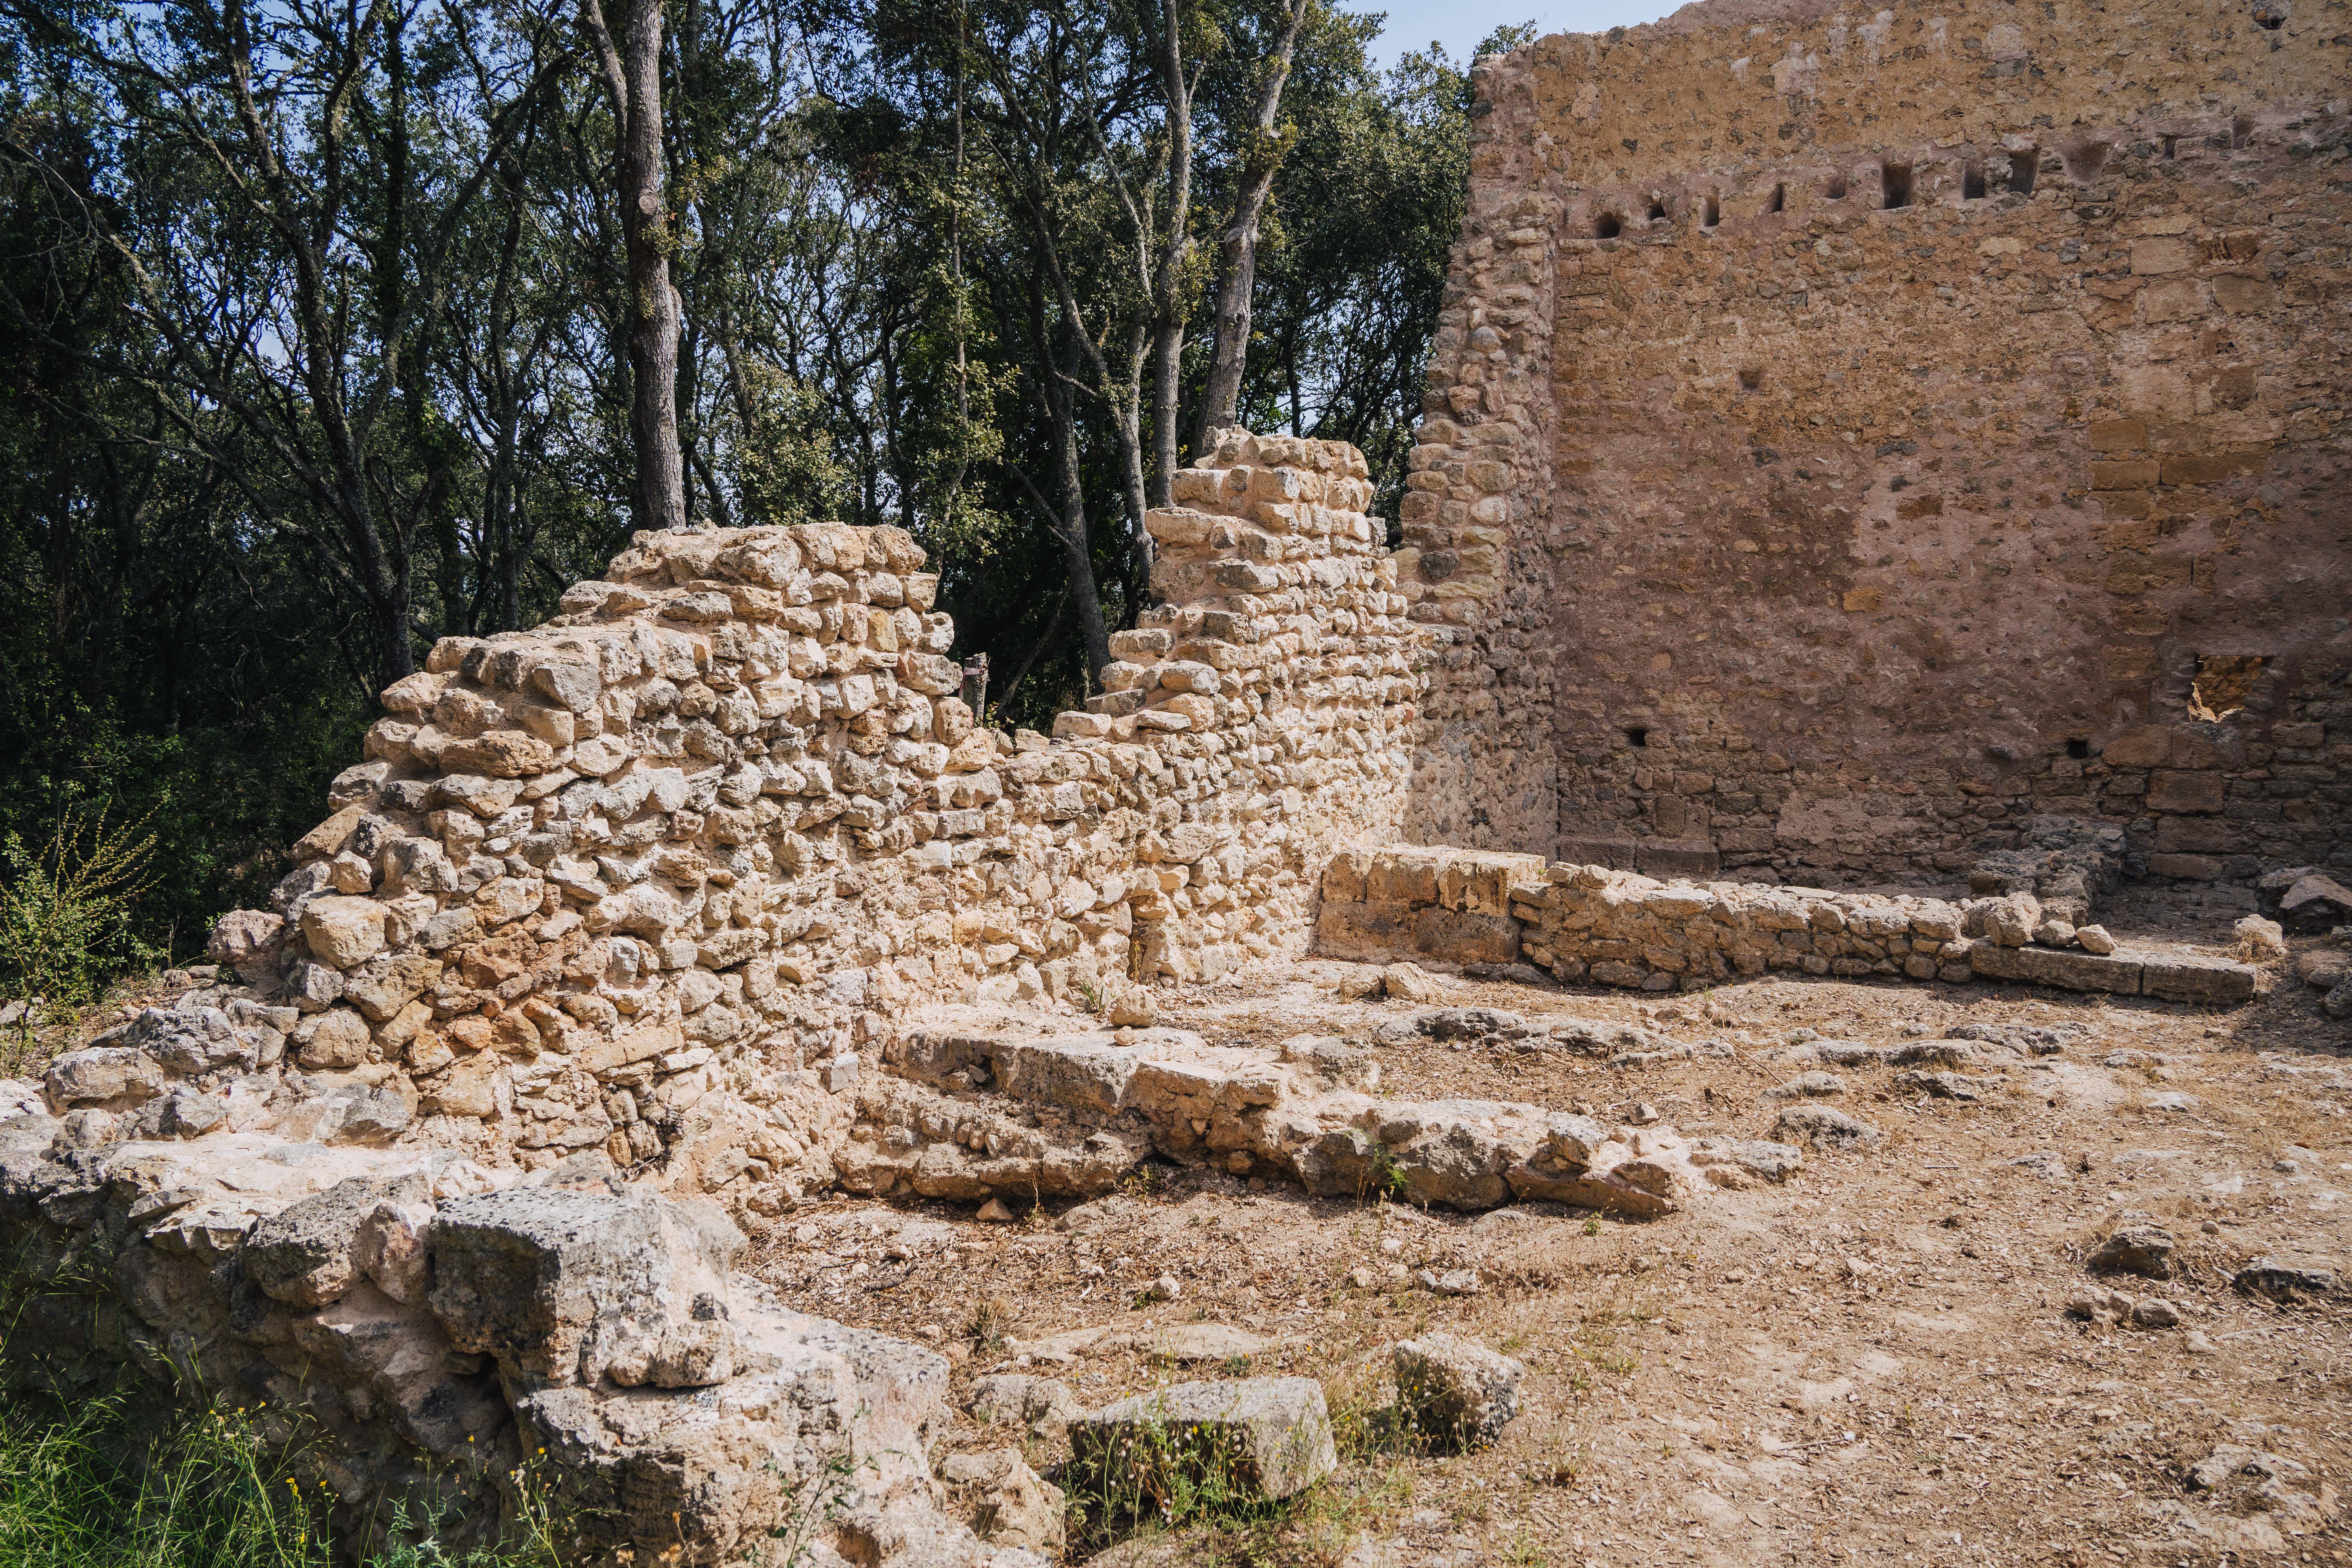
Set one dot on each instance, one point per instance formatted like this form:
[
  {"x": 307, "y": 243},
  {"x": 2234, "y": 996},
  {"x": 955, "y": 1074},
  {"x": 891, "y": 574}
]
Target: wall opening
[
  {"x": 1835, "y": 189},
  {"x": 2085, "y": 160},
  {"x": 1657, "y": 209},
  {"x": 1972, "y": 181},
  {"x": 2078, "y": 748},
  {"x": 2023, "y": 165},
  {"x": 1780, "y": 199},
  {"x": 2224, "y": 684},
  {"x": 1711, "y": 211},
  {"x": 1752, "y": 377},
  {"x": 1894, "y": 185},
  {"x": 2241, "y": 131},
  {"x": 2171, "y": 148},
  {"x": 1636, "y": 735},
  {"x": 1606, "y": 227}
]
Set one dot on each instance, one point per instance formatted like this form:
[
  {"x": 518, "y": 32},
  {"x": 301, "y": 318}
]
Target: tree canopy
[{"x": 325, "y": 329}]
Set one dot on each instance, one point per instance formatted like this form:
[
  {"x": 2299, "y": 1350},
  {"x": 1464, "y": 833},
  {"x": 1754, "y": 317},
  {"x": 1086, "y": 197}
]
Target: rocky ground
[{"x": 1874, "y": 1361}]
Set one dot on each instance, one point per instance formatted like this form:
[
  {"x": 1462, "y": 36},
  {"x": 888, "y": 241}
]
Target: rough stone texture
[
  {"x": 1594, "y": 925},
  {"x": 1075, "y": 1113},
  {"x": 1455, "y": 1393},
  {"x": 1266, "y": 1436},
  {"x": 1847, "y": 433},
  {"x": 654, "y": 879},
  {"x": 690, "y": 1415}
]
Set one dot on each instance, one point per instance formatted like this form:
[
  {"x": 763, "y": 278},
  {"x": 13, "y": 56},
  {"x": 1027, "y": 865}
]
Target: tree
[
  {"x": 631, "y": 71},
  {"x": 1259, "y": 156}
]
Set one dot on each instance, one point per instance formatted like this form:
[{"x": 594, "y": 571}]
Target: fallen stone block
[
  {"x": 2145, "y": 1250},
  {"x": 1455, "y": 1394},
  {"x": 1251, "y": 1437}
]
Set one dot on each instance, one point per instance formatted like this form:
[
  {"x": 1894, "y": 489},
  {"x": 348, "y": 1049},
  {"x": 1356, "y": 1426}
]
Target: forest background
[{"x": 332, "y": 327}]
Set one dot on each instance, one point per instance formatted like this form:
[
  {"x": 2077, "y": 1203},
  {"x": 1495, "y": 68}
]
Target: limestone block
[
  {"x": 1270, "y": 1436},
  {"x": 1454, "y": 1393},
  {"x": 567, "y": 1288},
  {"x": 343, "y": 933},
  {"x": 310, "y": 1253}
]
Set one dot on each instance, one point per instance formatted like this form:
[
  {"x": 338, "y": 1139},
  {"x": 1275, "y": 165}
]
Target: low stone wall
[
  {"x": 653, "y": 877},
  {"x": 1590, "y": 924}
]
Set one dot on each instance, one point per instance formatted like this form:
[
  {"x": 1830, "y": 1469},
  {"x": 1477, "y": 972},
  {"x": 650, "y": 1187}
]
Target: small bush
[{"x": 65, "y": 911}]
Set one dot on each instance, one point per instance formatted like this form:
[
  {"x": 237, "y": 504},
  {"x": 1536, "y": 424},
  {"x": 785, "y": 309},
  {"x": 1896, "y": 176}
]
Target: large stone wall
[
  {"x": 1848, "y": 433},
  {"x": 654, "y": 877}
]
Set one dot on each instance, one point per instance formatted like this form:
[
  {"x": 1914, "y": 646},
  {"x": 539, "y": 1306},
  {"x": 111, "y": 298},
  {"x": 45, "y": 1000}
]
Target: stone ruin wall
[
  {"x": 652, "y": 879},
  {"x": 1816, "y": 538}
]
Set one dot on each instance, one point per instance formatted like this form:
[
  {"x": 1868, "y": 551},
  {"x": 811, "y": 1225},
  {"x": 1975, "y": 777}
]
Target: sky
[{"x": 1459, "y": 25}]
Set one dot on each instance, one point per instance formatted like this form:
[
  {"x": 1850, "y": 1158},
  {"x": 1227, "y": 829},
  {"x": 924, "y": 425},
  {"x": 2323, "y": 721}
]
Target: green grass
[{"x": 106, "y": 1485}]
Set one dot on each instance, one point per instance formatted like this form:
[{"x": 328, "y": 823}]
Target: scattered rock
[
  {"x": 2315, "y": 895},
  {"x": 1756, "y": 1157},
  {"x": 2145, "y": 1250},
  {"x": 2285, "y": 1281},
  {"x": 1821, "y": 1127},
  {"x": 1947, "y": 1086},
  {"x": 1448, "y": 1282},
  {"x": 1409, "y": 983},
  {"x": 1005, "y": 1501},
  {"x": 1454, "y": 1393},
  {"x": 1270, "y": 1436},
  {"x": 1042, "y": 1405},
  {"x": 993, "y": 1212},
  {"x": 2260, "y": 941},
  {"x": 2094, "y": 939},
  {"x": 1807, "y": 1086},
  {"x": 1136, "y": 1008}
]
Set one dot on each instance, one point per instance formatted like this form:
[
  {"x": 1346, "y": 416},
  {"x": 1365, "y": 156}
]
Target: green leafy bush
[{"x": 66, "y": 912}]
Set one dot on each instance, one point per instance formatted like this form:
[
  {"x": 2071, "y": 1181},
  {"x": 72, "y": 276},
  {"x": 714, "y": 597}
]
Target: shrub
[{"x": 65, "y": 912}]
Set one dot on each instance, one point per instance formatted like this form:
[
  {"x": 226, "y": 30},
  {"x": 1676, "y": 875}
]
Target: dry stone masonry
[
  {"x": 1850, "y": 434},
  {"x": 1590, "y": 924},
  {"x": 1857, "y": 449},
  {"x": 656, "y": 878}
]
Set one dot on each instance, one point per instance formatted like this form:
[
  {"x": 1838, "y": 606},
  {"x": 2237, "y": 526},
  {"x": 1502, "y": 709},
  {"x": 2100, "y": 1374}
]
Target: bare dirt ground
[{"x": 1874, "y": 1363}]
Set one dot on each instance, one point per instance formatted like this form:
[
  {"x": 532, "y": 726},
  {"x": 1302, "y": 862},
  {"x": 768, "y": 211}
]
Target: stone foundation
[{"x": 1594, "y": 925}]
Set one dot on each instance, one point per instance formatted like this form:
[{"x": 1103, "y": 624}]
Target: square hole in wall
[
  {"x": 1835, "y": 189},
  {"x": 1894, "y": 185},
  {"x": 2023, "y": 165},
  {"x": 2224, "y": 684},
  {"x": 1606, "y": 227},
  {"x": 1637, "y": 735},
  {"x": 2078, "y": 748},
  {"x": 1780, "y": 199},
  {"x": 1972, "y": 181}
]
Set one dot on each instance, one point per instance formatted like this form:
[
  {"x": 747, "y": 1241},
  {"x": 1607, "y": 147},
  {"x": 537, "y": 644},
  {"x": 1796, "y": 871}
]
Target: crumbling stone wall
[
  {"x": 1850, "y": 435},
  {"x": 651, "y": 878}
]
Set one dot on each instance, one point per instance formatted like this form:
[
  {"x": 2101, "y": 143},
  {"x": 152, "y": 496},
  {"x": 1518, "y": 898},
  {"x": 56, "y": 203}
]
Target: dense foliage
[{"x": 312, "y": 316}]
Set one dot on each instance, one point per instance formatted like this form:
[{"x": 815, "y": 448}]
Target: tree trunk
[
  {"x": 1077, "y": 541},
  {"x": 1167, "y": 316},
  {"x": 632, "y": 71},
  {"x": 1237, "y": 246}
]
